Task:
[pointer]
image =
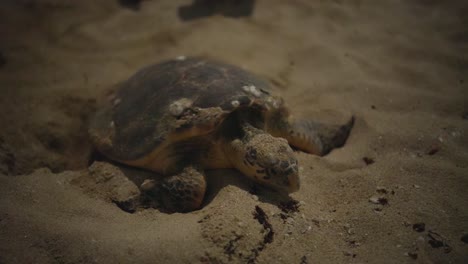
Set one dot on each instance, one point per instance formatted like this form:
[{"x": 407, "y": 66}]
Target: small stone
[
  {"x": 235, "y": 103},
  {"x": 354, "y": 243},
  {"x": 181, "y": 58},
  {"x": 255, "y": 197},
  {"x": 381, "y": 189},
  {"x": 464, "y": 238},
  {"x": 374, "y": 200},
  {"x": 419, "y": 227},
  {"x": 290, "y": 220},
  {"x": 117, "y": 101},
  {"x": 433, "y": 150},
  {"x": 368, "y": 160},
  {"x": 436, "y": 243},
  {"x": 416, "y": 186}
]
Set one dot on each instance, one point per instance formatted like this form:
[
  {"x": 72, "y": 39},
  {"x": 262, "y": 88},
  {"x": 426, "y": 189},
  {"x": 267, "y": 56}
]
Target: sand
[{"x": 395, "y": 193}]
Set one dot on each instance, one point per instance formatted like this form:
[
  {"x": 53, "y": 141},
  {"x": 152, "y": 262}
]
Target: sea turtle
[{"x": 183, "y": 116}]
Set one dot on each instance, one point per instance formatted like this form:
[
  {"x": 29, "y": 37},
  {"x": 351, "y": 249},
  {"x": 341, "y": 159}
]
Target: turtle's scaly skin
[{"x": 180, "y": 117}]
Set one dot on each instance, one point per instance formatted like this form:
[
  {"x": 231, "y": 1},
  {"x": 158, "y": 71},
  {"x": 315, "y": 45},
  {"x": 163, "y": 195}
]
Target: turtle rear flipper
[{"x": 318, "y": 138}]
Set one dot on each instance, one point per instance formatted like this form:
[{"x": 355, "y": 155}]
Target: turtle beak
[
  {"x": 291, "y": 183},
  {"x": 288, "y": 174}
]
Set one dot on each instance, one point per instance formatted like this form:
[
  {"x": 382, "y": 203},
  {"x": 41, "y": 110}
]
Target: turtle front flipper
[
  {"x": 183, "y": 192},
  {"x": 318, "y": 138}
]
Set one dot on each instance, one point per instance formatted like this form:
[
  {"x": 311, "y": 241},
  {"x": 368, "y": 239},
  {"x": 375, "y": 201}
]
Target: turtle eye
[
  {"x": 284, "y": 164},
  {"x": 270, "y": 172},
  {"x": 251, "y": 156}
]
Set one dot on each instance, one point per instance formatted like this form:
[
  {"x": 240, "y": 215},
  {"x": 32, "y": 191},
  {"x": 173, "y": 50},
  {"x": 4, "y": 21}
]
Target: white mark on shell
[
  {"x": 275, "y": 104},
  {"x": 252, "y": 90},
  {"x": 181, "y": 58},
  {"x": 235, "y": 103},
  {"x": 255, "y": 91},
  {"x": 117, "y": 101},
  {"x": 272, "y": 102},
  {"x": 178, "y": 107}
]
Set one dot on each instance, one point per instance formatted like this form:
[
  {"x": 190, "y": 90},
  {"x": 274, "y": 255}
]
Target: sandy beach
[{"x": 395, "y": 193}]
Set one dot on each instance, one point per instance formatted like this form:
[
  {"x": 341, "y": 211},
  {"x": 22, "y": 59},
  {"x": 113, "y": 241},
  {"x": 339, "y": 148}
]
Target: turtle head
[{"x": 267, "y": 160}]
